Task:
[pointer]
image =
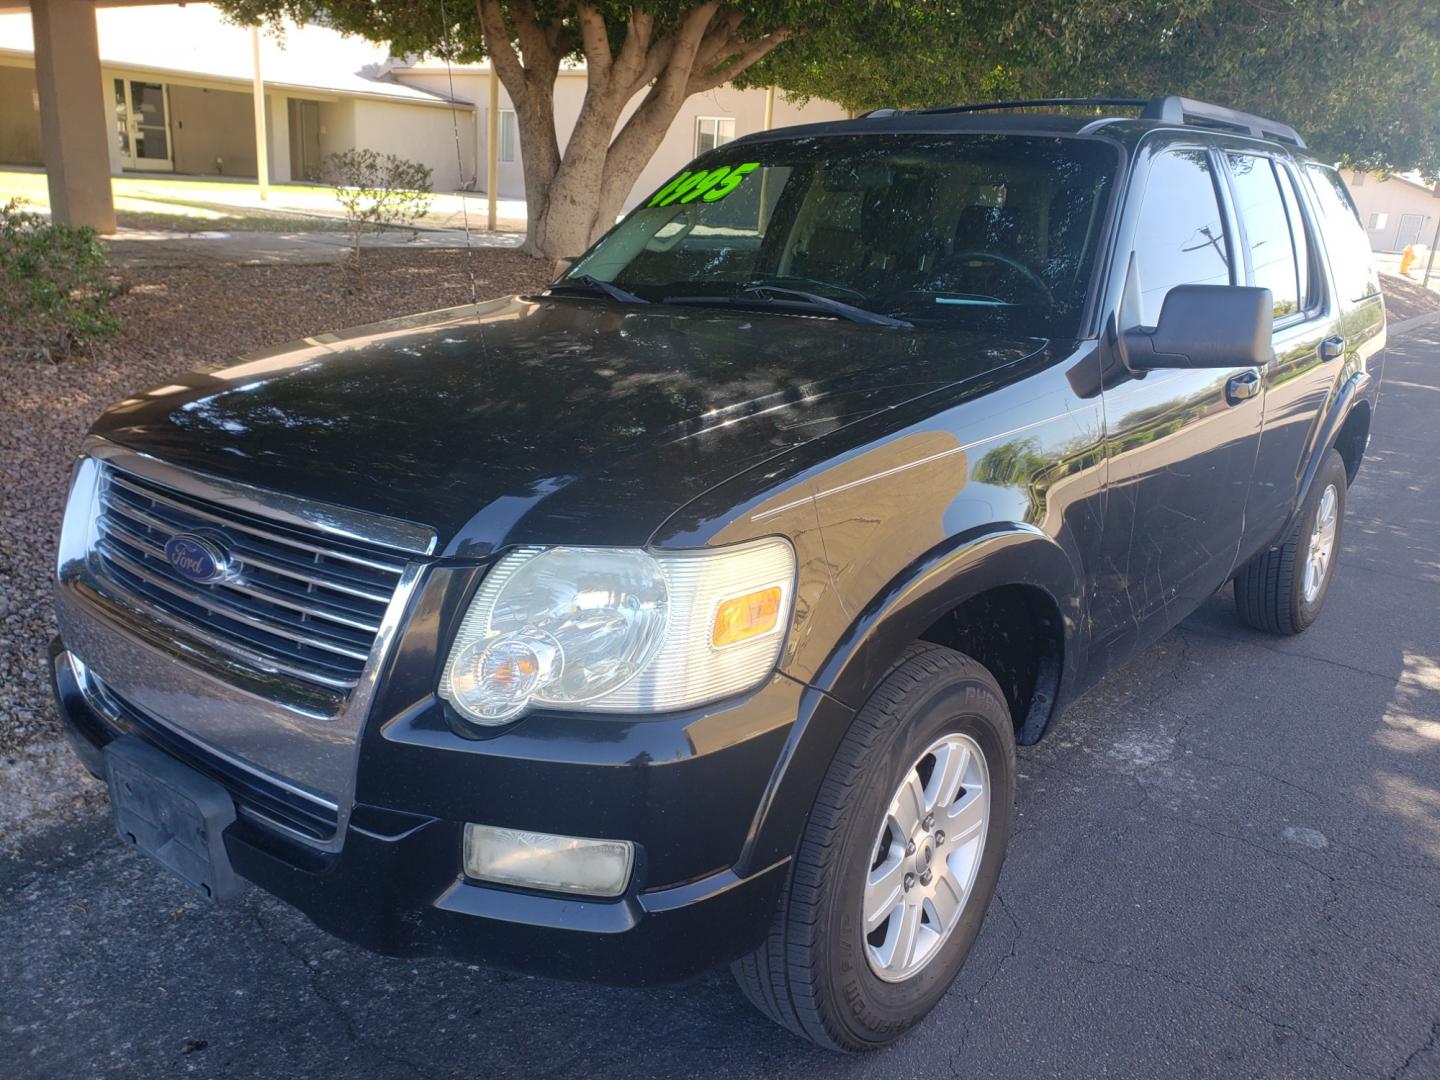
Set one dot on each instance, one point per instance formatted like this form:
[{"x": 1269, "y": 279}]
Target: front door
[
  {"x": 1180, "y": 443},
  {"x": 142, "y": 124},
  {"x": 1410, "y": 226}
]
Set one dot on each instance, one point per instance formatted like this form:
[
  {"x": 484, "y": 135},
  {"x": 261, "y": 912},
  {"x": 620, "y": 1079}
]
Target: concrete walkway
[{"x": 137, "y": 247}]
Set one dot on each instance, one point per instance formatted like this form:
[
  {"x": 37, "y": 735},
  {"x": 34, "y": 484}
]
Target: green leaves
[
  {"x": 53, "y": 287},
  {"x": 1356, "y": 77}
]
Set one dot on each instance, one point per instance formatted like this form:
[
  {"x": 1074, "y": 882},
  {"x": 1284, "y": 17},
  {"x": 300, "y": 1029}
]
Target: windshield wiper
[
  {"x": 793, "y": 298},
  {"x": 588, "y": 283}
]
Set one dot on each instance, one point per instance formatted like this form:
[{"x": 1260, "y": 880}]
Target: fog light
[{"x": 540, "y": 861}]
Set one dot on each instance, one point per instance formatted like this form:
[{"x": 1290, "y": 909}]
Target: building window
[
  {"x": 508, "y": 135},
  {"x": 713, "y": 131},
  {"x": 1378, "y": 221},
  {"x": 1356, "y": 178}
]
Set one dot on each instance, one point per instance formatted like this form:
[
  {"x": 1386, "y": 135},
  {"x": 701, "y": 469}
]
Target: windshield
[{"x": 982, "y": 231}]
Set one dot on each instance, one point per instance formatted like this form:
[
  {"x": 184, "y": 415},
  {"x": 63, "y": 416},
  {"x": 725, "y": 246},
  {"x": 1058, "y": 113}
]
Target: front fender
[{"x": 968, "y": 564}]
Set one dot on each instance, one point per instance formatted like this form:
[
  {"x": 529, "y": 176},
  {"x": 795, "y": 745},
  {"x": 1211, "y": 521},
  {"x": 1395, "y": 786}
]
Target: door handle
[
  {"x": 1332, "y": 348},
  {"x": 1242, "y": 386}
]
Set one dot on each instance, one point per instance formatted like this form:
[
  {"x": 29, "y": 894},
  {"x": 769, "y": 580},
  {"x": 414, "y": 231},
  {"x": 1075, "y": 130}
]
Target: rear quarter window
[{"x": 1346, "y": 243}]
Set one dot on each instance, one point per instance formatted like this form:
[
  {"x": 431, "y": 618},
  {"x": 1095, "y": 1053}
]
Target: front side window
[
  {"x": 973, "y": 230},
  {"x": 1179, "y": 234},
  {"x": 1267, "y": 230}
]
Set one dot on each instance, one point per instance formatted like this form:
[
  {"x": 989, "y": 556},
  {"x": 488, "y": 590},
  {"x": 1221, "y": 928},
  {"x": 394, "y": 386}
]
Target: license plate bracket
[{"x": 173, "y": 814}]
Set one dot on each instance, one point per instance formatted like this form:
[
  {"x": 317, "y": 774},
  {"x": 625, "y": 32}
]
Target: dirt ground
[
  {"x": 173, "y": 318},
  {"x": 1405, "y": 299}
]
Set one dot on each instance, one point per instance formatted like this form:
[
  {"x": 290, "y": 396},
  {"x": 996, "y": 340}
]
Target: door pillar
[{"x": 74, "y": 128}]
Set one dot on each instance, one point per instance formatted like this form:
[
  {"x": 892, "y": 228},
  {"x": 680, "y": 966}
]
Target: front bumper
[{"x": 687, "y": 790}]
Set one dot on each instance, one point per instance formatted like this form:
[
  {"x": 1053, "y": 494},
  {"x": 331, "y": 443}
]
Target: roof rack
[
  {"x": 1182, "y": 110},
  {"x": 1167, "y": 109}
]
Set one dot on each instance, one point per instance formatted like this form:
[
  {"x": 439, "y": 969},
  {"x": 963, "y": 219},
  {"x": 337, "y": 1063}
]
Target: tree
[
  {"x": 1350, "y": 73},
  {"x": 376, "y": 192}
]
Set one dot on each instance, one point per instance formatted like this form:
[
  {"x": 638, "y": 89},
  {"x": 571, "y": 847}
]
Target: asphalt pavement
[{"x": 1227, "y": 863}]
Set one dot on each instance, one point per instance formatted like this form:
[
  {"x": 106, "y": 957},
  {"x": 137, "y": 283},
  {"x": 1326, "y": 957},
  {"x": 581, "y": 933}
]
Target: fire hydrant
[{"x": 1407, "y": 260}]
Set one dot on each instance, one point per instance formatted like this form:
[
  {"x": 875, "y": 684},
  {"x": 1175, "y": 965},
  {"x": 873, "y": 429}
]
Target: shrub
[
  {"x": 377, "y": 192},
  {"x": 54, "y": 296}
]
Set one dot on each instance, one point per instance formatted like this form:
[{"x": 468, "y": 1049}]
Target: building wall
[
  {"x": 418, "y": 133},
  {"x": 19, "y": 119},
  {"x": 1382, "y": 203},
  {"x": 213, "y": 131}
]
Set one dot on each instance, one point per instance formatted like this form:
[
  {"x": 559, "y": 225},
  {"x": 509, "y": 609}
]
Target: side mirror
[{"x": 1205, "y": 326}]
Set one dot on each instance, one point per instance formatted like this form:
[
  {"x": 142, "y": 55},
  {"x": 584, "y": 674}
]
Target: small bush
[
  {"x": 376, "y": 192},
  {"x": 54, "y": 293}
]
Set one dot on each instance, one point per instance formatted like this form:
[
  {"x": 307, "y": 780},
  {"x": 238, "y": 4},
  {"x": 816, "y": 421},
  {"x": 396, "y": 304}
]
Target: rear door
[{"x": 1280, "y": 253}]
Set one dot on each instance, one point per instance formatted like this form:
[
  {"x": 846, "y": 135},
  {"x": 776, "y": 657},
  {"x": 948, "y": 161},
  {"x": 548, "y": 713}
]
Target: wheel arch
[{"x": 1006, "y": 564}]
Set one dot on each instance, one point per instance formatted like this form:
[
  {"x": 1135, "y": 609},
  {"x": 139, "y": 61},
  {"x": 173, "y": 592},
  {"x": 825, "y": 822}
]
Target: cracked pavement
[{"x": 1226, "y": 862}]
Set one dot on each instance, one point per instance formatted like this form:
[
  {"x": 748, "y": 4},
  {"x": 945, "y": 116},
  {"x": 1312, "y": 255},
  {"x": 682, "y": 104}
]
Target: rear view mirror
[{"x": 1205, "y": 326}]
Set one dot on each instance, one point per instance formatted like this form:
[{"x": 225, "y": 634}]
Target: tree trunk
[{"x": 572, "y": 200}]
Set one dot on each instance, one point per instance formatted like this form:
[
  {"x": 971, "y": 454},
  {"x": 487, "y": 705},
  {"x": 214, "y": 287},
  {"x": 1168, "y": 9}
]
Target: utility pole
[{"x": 1434, "y": 242}]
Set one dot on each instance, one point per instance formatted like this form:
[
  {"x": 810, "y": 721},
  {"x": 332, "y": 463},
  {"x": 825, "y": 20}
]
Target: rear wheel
[
  {"x": 1283, "y": 589},
  {"x": 899, "y": 859}
]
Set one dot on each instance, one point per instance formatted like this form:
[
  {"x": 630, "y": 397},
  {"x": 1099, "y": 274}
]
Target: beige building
[
  {"x": 177, "y": 93},
  {"x": 1398, "y": 211},
  {"x": 705, "y": 120}
]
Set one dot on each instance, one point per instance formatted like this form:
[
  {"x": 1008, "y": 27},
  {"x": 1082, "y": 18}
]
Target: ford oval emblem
[{"x": 197, "y": 558}]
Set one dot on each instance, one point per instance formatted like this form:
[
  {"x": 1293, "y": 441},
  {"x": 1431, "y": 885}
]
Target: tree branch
[{"x": 748, "y": 55}]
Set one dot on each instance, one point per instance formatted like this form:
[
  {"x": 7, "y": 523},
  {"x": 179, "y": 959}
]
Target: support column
[
  {"x": 492, "y": 147},
  {"x": 262, "y": 159},
  {"x": 74, "y": 128}
]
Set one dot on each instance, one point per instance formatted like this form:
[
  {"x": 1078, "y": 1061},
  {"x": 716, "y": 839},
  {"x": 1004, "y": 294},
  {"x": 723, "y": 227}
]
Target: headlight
[{"x": 619, "y": 629}]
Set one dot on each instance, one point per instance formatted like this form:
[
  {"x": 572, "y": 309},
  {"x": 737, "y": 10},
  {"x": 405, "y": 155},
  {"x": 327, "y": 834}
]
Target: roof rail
[
  {"x": 1171, "y": 109},
  {"x": 1168, "y": 109},
  {"x": 1031, "y": 103}
]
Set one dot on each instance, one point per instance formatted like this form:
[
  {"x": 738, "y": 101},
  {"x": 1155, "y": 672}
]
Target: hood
[{"x": 554, "y": 421}]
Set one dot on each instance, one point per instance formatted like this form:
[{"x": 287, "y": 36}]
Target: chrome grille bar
[{"x": 301, "y": 601}]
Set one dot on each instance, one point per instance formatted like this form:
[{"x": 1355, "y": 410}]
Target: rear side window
[
  {"x": 1267, "y": 230},
  {"x": 1346, "y": 244},
  {"x": 1179, "y": 234}
]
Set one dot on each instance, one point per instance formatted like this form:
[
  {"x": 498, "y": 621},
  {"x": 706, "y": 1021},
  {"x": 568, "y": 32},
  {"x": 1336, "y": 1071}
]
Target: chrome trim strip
[
  {"x": 228, "y": 609},
  {"x": 250, "y": 588},
  {"x": 118, "y": 479},
  {"x": 340, "y": 521},
  {"x": 246, "y": 557}
]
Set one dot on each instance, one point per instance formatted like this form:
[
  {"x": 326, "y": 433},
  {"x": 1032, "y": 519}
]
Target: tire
[
  {"x": 1277, "y": 590},
  {"x": 815, "y": 974}
]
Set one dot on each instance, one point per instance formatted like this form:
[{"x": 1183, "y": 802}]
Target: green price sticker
[{"x": 710, "y": 185}]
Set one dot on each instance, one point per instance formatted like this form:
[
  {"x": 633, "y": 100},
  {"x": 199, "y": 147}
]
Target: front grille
[{"x": 297, "y": 602}]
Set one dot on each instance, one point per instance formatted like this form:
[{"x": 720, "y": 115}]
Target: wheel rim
[
  {"x": 925, "y": 857},
  {"x": 1321, "y": 551}
]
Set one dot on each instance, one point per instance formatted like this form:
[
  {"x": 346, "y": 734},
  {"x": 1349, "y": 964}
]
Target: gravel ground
[{"x": 174, "y": 318}]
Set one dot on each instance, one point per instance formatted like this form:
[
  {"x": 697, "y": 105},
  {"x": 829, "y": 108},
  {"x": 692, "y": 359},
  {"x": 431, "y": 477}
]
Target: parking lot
[{"x": 1227, "y": 863}]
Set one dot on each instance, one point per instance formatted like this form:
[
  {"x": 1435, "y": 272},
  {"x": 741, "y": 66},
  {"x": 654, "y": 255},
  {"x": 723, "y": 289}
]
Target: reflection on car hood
[{"x": 540, "y": 420}]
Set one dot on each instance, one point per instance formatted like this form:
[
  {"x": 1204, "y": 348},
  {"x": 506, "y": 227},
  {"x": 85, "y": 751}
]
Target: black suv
[{"x": 690, "y": 612}]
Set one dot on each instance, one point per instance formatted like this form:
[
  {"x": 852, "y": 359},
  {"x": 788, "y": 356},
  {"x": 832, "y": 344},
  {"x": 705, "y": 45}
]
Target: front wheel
[
  {"x": 899, "y": 859},
  {"x": 1283, "y": 589}
]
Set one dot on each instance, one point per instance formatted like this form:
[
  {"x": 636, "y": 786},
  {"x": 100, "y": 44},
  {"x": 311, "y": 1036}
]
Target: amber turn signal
[{"x": 746, "y": 616}]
